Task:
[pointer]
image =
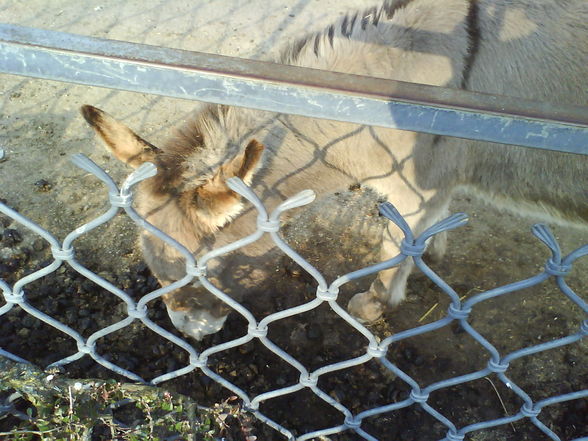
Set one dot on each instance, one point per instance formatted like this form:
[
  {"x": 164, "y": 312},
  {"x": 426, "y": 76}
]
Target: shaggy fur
[{"x": 536, "y": 49}]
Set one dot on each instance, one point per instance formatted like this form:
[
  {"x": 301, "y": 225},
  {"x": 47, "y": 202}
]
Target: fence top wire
[{"x": 557, "y": 267}]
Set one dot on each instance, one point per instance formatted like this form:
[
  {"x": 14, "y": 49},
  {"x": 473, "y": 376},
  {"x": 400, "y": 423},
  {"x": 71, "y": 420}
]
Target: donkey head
[{"x": 188, "y": 199}]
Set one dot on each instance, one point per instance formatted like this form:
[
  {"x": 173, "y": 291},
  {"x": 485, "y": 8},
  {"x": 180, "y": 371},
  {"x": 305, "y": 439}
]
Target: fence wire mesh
[{"x": 557, "y": 267}]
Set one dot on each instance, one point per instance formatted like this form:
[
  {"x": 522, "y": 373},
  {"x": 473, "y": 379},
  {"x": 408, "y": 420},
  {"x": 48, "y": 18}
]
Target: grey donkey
[{"x": 535, "y": 49}]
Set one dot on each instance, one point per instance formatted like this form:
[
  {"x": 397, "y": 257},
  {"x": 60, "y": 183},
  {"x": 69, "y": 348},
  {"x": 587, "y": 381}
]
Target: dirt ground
[{"x": 40, "y": 129}]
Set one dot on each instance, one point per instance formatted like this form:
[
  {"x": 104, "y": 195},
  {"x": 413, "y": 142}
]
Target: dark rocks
[
  {"x": 39, "y": 244},
  {"x": 314, "y": 332},
  {"x": 5, "y": 221},
  {"x": 42, "y": 185},
  {"x": 11, "y": 237}
]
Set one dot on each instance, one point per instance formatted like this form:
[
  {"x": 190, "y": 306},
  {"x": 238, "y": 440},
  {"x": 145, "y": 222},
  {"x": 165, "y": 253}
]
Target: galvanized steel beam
[{"x": 288, "y": 89}]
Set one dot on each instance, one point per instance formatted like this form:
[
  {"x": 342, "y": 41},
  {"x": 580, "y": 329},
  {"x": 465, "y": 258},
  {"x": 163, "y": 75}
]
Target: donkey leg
[
  {"x": 389, "y": 288},
  {"x": 438, "y": 243}
]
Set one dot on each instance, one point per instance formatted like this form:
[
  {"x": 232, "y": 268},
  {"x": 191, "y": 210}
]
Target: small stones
[
  {"x": 126, "y": 361},
  {"x": 50, "y": 307},
  {"x": 84, "y": 312},
  {"x": 5, "y": 221},
  {"x": 160, "y": 350},
  {"x": 141, "y": 268},
  {"x": 412, "y": 356},
  {"x": 29, "y": 322},
  {"x": 314, "y": 332},
  {"x": 39, "y": 245},
  {"x": 43, "y": 186},
  {"x": 9, "y": 267},
  {"x": 456, "y": 328},
  {"x": 23, "y": 332},
  {"x": 246, "y": 349},
  {"x": 152, "y": 283},
  {"x": 571, "y": 359},
  {"x": 11, "y": 237},
  {"x": 88, "y": 286}
]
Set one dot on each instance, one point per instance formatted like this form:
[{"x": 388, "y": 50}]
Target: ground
[{"x": 39, "y": 131}]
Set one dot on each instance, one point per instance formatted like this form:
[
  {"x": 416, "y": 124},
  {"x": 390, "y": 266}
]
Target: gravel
[{"x": 320, "y": 337}]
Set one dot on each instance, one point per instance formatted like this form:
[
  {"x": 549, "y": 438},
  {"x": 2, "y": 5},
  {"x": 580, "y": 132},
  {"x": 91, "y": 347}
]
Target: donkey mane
[{"x": 345, "y": 27}]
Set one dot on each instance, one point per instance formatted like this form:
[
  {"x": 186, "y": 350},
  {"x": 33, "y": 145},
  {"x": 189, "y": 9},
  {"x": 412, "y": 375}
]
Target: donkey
[{"x": 536, "y": 49}]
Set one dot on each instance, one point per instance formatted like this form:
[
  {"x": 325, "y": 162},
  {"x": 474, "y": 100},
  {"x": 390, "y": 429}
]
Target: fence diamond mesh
[{"x": 557, "y": 267}]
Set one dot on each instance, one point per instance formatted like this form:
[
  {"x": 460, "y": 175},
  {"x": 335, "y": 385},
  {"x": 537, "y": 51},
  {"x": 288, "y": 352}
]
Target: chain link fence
[{"x": 557, "y": 267}]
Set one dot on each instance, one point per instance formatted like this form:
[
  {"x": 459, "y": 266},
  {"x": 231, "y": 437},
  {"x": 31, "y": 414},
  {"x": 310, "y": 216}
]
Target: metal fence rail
[
  {"x": 557, "y": 267},
  {"x": 290, "y": 89}
]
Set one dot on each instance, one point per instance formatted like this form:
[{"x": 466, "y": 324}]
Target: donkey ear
[
  {"x": 121, "y": 141},
  {"x": 214, "y": 200},
  {"x": 244, "y": 165}
]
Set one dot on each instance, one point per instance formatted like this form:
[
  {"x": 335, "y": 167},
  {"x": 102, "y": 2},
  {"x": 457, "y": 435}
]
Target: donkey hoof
[
  {"x": 365, "y": 307},
  {"x": 438, "y": 248}
]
